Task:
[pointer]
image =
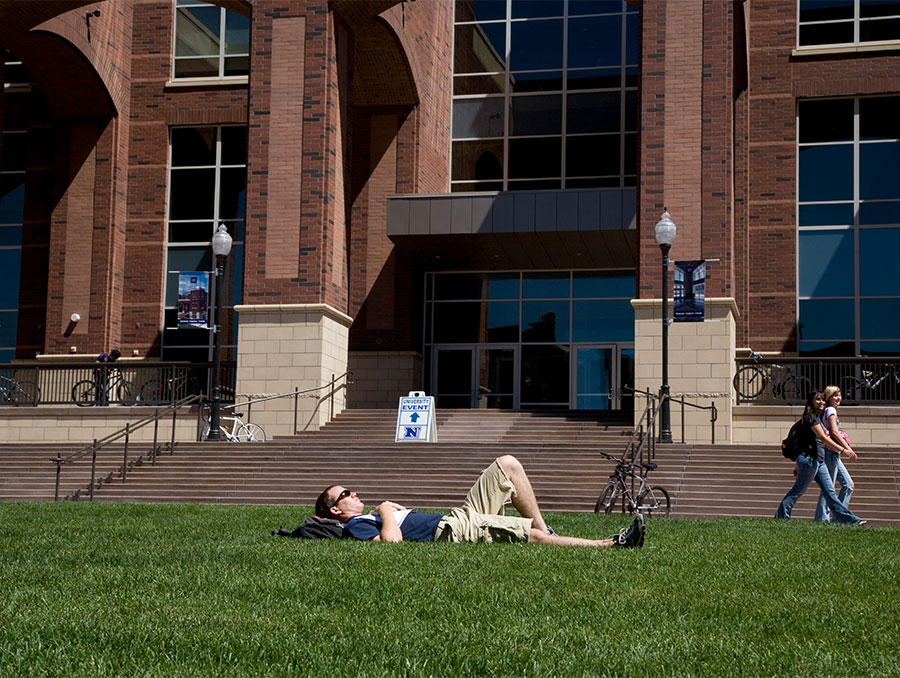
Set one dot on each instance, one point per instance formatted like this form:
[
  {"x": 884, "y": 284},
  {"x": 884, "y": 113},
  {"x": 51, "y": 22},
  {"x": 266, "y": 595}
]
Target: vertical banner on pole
[
  {"x": 193, "y": 299},
  {"x": 689, "y": 291}
]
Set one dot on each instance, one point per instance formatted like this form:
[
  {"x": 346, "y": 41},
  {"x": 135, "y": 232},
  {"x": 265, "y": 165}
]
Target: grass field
[{"x": 159, "y": 590}]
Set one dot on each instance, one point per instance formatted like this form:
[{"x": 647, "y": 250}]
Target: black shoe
[{"x": 633, "y": 535}]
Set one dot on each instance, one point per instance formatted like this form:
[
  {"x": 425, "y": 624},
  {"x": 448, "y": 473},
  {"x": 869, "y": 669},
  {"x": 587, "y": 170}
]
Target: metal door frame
[{"x": 476, "y": 359}]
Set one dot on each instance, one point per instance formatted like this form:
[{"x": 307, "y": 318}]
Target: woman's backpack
[{"x": 801, "y": 439}]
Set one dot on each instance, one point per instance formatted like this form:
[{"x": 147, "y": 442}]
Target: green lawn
[{"x": 126, "y": 589}]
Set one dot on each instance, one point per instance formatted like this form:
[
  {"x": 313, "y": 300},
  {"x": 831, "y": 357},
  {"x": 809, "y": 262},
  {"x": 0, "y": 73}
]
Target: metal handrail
[
  {"x": 296, "y": 394},
  {"x": 125, "y": 433},
  {"x": 652, "y": 399}
]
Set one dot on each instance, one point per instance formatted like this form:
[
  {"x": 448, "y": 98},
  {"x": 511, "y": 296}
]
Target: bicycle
[
  {"x": 240, "y": 432},
  {"x": 90, "y": 392},
  {"x": 649, "y": 499},
  {"x": 855, "y": 388},
  {"x": 785, "y": 384},
  {"x": 158, "y": 391},
  {"x": 19, "y": 392}
]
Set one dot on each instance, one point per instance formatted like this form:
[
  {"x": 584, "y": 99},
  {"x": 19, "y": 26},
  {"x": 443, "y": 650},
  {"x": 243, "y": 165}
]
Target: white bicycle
[{"x": 239, "y": 431}]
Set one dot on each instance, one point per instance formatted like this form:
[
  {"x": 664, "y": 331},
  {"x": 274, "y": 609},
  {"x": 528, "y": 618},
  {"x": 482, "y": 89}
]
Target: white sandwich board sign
[{"x": 416, "y": 421}]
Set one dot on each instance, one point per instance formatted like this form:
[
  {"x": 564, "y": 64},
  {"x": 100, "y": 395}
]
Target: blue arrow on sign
[{"x": 414, "y": 417}]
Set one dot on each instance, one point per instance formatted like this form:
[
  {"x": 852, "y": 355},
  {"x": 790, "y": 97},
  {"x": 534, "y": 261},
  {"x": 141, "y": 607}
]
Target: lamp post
[
  {"x": 665, "y": 236},
  {"x": 221, "y": 247}
]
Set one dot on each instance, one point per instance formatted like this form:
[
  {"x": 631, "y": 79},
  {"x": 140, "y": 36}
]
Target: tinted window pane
[
  {"x": 502, "y": 322},
  {"x": 876, "y": 31},
  {"x": 191, "y": 231},
  {"x": 595, "y": 41},
  {"x": 237, "y": 33},
  {"x": 480, "y": 187},
  {"x": 872, "y": 314},
  {"x": 593, "y": 112},
  {"x": 535, "y": 115},
  {"x": 632, "y": 38},
  {"x": 878, "y": 248},
  {"x": 826, "y": 319},
  {"x": 193, "y": 146},
  {"x": 503, "y": 286},
  {"x": 458, "y": 286},
  {"x": 826, "y": 215},
  {"x": 534, "y": 158},
  {"x": 197, "y": 31},
  {"x": 630, "y": 141},
  {"x": 237, "y": 66},
  {"x": 827, "y": 348},
  {"x": 479, "y": 10},
  {"x": 526, "y": 9},
  {"x": 234, "y": 145},
  {"x": 880, "y": 348},
  {"x": 586, "y": 156},
  {"x": 232, "y": 193},
  {"x": 545, "y": 375},
  {"x": 10, "y": 236},
  {"x": 603, "y": 285},
  {"x": 879, "y": 213},
  {"x": 545, "y": 286},
  {"x": 826, "y": 34},
  {"x": 594, "y": 6},
  {"x": 457, "y": 323},
  {"x": 825, "y": 10},
  {"x": 479, "y": 84},
  {"x": 478, "y": 160},
  {"x": 869, "y": 8},
  {"x": 545, "y": 321},
  {"x": 535, "y": 45},
  {"x": 480, "y": 48},
  {"x": 535, "y": 185},
  {"x": 631, "y": 111},
  {"x": 826, "y": 173},
  {"x": 822, "y": 121},
  {"x": 12, "y": 198},
  {"x": 879, "y": 118},
  {"x": 478, "y": 118},
  {"x": 192, "y": 194},
  {"x": 10, "y": 264},
  {"x": 197, "y": 68},
  {"x": 826, "y": 263},
  {"x": 877, "y": 171},
  {"x": 594, "y": 78},
  {"x": 12, "y": 152},
  {"x": 603, "y": 321},
  {"x": 536, "y": 82},
  {"x": 8, "y": 323}
]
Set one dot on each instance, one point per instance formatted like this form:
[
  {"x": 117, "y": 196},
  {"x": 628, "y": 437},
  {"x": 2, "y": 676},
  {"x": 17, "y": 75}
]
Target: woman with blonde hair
[{"x": 836, "y": 469}]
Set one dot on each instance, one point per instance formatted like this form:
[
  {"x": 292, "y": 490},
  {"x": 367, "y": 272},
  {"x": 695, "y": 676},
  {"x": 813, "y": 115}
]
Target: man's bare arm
[{"x": 390, "y": 530}]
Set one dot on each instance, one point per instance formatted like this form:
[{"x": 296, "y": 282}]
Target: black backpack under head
[{"x": 314, "y": 528}]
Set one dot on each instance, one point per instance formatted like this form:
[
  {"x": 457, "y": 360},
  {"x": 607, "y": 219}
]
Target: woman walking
[
  {"x": 811, "y": 468},
  {"x": 836, "y": 469}
]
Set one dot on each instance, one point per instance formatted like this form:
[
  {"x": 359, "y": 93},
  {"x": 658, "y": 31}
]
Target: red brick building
[{"x": 455, "y": 196}]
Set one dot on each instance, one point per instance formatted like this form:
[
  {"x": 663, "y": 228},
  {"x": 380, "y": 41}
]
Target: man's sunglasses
[{"x": 342, "y": 495}]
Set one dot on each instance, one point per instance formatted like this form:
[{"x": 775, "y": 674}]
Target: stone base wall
[
  {"x": 380, "y": 378},
  {"x": 82, "y": 426},
  {"x": 769, "y": 424},
  {"x": 283, "y": 347},
  {"x": 701, "y": 365}
]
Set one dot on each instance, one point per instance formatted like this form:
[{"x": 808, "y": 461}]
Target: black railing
[
  {"x": 102, "y": 384},
  {"x": 781, "y": 381}
]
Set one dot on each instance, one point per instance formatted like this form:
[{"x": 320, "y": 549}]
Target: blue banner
[
  {"x": 689, "y": 291},
  {"x": 193, "y": 298}
]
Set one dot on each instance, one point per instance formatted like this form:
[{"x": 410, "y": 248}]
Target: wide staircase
[{"x": 560, "y": 451}]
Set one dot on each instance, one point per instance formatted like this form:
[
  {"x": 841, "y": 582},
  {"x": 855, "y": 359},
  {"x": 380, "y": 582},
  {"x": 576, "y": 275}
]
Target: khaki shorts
[{"x": 480, "y": 518}]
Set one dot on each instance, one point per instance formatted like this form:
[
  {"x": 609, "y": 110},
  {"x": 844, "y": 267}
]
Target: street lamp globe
[
  {"x": 221, "y": 242},
  {"x": 665, "y": 230}
]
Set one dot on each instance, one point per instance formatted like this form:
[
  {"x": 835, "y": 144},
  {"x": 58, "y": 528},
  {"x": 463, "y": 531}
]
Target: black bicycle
[
  {"x": 646, "y": 498},
  {"x": 116, "y": 389},
  {"x": 752, "y": 380},
  {"x": 856, "y": 388},
  {"x": 159, "y": 391},
  {"x": 19, "y": 392}
]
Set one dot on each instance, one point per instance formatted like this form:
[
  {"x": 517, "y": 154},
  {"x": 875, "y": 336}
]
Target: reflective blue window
[
  {"x": 503, "y": 286},
  {"x": 480, "y": 10},
  {"x": 877, "y": 171},
  {"x": 826, "y": 319},
  {"x": 878, "y": 318},
  {"x": 10, "y": 236},
  {"x": 826, "y": 263},
  {"x": 474, "y": 118},
  {"x": 545, "y": 321},
  {"x": 595, "y": 284},
  {"x": 545, "y": 285},
  {"x": 532, "y": 9},
  {"x": 826, "y": 173},
  {"x": 8, "y": 321},
  {"x": 502, "y": 321},
  {"x": 535, "y": 45},
  {"x": 878, "y": 272},
  {"x": 871, "y": 213},
  {"x": 826, "y": 215},
  {"x": 531, "y": 115},
  {"x": 12, "y": 198},
  {"x": 611, "y": 320},
  {"x": 586, "y": 51}
]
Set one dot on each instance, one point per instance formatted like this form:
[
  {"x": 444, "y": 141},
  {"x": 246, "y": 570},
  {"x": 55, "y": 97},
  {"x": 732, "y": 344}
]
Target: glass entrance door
[
  {"x": 600, "y": 373},
  {"x": 483, "y": 376}
]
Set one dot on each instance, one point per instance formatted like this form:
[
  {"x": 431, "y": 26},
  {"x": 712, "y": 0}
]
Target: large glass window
[
  {"x": 847, "y": 22},
  {"x": 12, "y": 207},
  {"x": 210, "y": 42},
  {"x": 545, "y": 94},
  {"x": 849, "y": 225},
  {"x": 207, "y": 187}
]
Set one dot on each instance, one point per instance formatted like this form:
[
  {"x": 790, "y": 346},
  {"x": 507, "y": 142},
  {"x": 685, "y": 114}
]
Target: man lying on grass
[{"x": 479, "y": 519}]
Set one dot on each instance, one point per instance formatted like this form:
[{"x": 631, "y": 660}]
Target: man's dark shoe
[{"x": 633, "y": 535}]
